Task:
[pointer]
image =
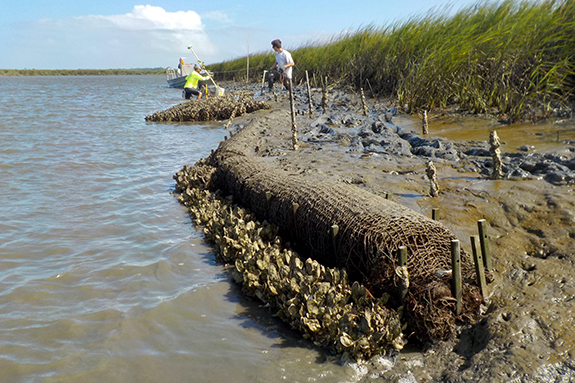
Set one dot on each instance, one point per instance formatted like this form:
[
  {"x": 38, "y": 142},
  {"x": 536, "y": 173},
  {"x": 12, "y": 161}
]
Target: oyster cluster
[
  {"x": 209, "y": 109},
  {"x": 321, "y": 302}
]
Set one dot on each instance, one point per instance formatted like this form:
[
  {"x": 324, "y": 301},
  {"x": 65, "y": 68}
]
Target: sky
[{"x": 124, "y": 34}]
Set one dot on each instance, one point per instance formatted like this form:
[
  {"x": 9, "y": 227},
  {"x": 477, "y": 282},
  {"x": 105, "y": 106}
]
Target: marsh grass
[{"x": 512, "y": 58}]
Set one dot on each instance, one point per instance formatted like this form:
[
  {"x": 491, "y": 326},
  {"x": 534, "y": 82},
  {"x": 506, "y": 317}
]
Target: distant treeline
[
  {"x": 515, "y": 58},
  {"x": 78, "y": 72}
]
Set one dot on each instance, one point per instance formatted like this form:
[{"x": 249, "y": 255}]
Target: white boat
[{"x": 177, "y": 77}]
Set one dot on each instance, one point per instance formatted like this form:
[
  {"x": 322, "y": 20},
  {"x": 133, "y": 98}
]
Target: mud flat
[{"x": 524, "y": 334}]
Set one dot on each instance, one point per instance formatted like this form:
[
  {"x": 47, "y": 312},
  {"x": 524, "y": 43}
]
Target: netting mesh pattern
[
  {"x": 318, "y": 301},
  {"x": 370, "y": 230}
]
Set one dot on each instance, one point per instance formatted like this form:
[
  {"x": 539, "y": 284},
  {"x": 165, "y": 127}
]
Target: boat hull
[{"x": 177, "y": 82}]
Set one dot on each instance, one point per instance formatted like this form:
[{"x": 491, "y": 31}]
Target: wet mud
[{"x": 525, "y": 334}]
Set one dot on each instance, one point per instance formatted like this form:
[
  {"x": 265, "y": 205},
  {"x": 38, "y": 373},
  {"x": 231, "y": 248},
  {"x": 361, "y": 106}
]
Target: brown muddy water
[{"x": 541, "y": 137}]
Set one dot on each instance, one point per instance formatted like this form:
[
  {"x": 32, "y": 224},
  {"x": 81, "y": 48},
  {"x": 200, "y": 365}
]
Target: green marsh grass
[{"x": 512, "y": 58}]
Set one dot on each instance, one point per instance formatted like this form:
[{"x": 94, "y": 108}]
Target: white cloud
[
  {"x": 217, "y": 16},
  {"x": 148, "y": 17},
  {"x": 148, "y": 36}
]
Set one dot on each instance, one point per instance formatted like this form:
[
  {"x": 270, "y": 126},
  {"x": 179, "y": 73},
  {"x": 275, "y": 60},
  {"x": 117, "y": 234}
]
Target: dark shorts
[
  {"x": 190, "y": 91},
  {"x": 275, "y": 75}
]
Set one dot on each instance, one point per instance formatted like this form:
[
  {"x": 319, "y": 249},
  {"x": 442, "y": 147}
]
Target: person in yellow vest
[{"x": 191, "y": 86}]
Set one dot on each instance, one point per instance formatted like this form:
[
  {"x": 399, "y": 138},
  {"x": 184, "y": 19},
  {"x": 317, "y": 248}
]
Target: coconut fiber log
[{"x": 370, "y": 231}]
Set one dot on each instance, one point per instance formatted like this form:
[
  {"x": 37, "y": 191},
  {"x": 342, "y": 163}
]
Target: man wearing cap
[
  {"x": 191, "y": 86},
  {"x": 181, "y": 65},
  {"x": 283, "y": 64}
]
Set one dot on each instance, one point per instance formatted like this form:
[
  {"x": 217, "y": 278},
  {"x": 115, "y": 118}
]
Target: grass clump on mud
[{"x": 514, "y": 58}]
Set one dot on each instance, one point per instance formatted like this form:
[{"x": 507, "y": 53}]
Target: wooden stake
[
  {"x": 402, "y": 255},
  {"x": 424, "y": 124},
  {"x": 334, "y": 232},
  {"x": 434, "y": 213},
  {"x": 485, "y": 250},
  {"x": 495, "y": 151},
  {"x": 293, "y": 125},
  {"x": 231, "y": 117},
  {"x": 402, "y": 273},
  {"x": 295, "y": 206},
  {"x": 479, "y": 267},
  {"x": 456, "y": 275},
  {"x": 363, "y": 103},
  {"x": 432, "y": 175},
  {"x": 324, "y": 96},
  {"x": 309, "y": 95}
]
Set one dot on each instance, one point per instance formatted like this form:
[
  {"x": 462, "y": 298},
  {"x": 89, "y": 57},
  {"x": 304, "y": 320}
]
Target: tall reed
[{"x": 513, "y": 58}]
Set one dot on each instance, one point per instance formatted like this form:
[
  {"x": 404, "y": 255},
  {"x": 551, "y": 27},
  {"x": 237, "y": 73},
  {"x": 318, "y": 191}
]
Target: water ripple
[{"x": 102, "y": 275}]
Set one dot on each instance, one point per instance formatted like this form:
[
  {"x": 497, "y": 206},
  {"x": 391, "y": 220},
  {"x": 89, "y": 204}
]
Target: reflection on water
[
  {"x": 102, "y": 275},
  {"x": 543, "y": 137}
]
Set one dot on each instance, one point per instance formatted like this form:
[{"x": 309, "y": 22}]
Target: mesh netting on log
[
  {"x": 371, "y": 229},
  {"x": 213, "y": 108}
]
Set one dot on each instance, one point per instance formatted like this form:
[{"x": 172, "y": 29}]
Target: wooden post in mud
[
  {"x": 295, "y": 145},
  {"x": 432, "y": 175},
  {"x": 402, "y": 273},
  {"x": 495, "y": 151},
  {"x": 456, "y": 275},
  {"x": 363, "y": 102},
  {"x": 295, "y": 206},
  {"x": 434, "y": 215},
  {"x": 479, "y": 266},
  {"x": 324, "y": 96},
  {"x": 309, "y": 95},
  {"x": 424, "y": 124},
  {"x": 293, "y": 125},
  {"x": 334, "y": 232},
  {"x": 231, "y": 117},
  {"x": 402, "y": 256},
  {"x": 485, "y": 250}
]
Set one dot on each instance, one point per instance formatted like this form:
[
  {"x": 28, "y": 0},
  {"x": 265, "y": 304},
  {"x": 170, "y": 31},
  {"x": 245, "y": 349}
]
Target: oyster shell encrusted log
[
  {"x": 371, "y": 229},
  {"x": 213, "y": 108},
  {"x": 318, "y": 301}
]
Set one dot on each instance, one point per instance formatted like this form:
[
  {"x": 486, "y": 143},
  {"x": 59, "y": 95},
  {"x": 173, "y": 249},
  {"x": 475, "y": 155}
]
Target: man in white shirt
[{"x": 282, "y": 68}]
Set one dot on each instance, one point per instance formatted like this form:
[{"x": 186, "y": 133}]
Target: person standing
[
  {"x": 181, "y": 66},
  {"x": 282, "y": 68},
  {"x": 191, "y": 86}
]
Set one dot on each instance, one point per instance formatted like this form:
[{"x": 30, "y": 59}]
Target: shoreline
[{"x": 528, "y": 346}]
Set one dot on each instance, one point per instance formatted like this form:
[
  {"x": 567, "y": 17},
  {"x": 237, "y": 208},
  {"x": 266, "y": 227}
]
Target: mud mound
[{"x": 213, "y": 108}]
